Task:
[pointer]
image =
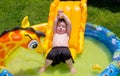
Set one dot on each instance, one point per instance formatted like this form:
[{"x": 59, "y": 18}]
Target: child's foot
[
  {"x": 42, "y": 70},
  {"x": 73, "y": 70}
]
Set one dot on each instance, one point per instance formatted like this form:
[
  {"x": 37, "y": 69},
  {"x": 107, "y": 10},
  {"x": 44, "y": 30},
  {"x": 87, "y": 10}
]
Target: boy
[{"x": 60, "y": 51}]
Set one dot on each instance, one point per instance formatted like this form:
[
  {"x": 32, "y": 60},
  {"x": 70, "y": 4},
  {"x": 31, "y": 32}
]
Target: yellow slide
[{"x": 77, "y": 12}]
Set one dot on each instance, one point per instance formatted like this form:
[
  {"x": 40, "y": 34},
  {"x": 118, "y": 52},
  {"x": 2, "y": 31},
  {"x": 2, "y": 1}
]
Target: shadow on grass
[{"x": 112, "y": 5}]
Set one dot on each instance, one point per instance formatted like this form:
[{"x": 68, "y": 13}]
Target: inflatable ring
[{"x": 111, "y": 41}]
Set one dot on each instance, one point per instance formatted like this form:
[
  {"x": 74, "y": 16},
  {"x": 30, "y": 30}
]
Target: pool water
[{"x": 94, "y": 52}]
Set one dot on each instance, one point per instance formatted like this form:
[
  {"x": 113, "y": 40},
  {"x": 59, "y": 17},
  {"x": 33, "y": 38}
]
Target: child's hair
[{"x": 61, "y": 20}]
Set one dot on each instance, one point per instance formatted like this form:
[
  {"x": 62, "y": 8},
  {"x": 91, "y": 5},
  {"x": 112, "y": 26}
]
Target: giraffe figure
[{"x": 24, "y": 36}]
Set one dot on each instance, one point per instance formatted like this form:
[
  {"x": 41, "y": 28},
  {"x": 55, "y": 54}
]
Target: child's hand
[{"x": 60, "y": 13}]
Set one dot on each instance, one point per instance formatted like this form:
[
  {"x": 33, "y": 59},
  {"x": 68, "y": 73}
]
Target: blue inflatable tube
[
  {"x": 111, "y": 41},
  {"x": 5, "y": 72}
]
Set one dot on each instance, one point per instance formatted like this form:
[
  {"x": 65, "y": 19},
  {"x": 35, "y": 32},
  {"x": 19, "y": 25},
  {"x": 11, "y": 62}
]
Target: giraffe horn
[{"x": 25, "y": 22}]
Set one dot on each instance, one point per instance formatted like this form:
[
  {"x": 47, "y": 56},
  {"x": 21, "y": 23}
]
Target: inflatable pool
[
  {"x": 112, "y": 42},
  {"x": 95, "y": 49}
]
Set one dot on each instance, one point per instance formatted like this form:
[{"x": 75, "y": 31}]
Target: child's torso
[{"x": 60, "y": 40}]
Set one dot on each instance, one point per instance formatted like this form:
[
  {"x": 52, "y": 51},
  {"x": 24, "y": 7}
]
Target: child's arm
[
  {"x": 68, "y": 22},
  {"x": 55, "y": 25}
]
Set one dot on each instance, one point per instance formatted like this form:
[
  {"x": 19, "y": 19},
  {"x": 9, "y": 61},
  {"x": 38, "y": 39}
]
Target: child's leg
[
  {"x": 47, "y": 63},
  {"x": 69, "y": 62}
]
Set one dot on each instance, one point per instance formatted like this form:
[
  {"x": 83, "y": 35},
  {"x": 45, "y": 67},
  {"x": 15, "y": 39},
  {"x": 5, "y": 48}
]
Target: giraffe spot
[
  {"x": 24, "y": 45},
  {"x": 4, "y": 38},
  {"x": 2, "y": 53},
  {"x": 2, "y": 63},
  {"x": 1, "y": 47},
  {"x": 10, "y": 46},
  {"x": 17, "y": 31},
  {"x": 16, "y": 36}
]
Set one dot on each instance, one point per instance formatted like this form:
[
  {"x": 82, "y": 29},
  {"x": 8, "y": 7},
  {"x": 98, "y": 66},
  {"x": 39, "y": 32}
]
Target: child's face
[{"x": 61, "y": 28}]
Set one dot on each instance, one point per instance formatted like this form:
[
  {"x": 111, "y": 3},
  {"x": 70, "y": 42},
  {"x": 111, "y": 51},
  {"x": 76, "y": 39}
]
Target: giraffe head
[{"x": 24, "y": 36}]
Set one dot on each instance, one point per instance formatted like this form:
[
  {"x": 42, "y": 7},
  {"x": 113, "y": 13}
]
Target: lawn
[
  {"x": 13, "y": 11},
  {"x": 105, "y": 13}
]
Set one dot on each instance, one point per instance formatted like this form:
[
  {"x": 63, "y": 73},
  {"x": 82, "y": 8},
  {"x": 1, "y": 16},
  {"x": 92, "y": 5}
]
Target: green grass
[
  {"x": 105, "y": 17},
  {"x": 13, "y": 11}
]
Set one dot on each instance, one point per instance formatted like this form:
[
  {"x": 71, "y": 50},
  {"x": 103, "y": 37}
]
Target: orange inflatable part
[{"x": 24, "y": 37}]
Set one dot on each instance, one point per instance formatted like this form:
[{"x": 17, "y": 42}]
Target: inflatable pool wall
[
  {"x": 112, "y": 42},
  {"x": 4, "y": 72}
]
